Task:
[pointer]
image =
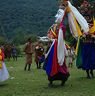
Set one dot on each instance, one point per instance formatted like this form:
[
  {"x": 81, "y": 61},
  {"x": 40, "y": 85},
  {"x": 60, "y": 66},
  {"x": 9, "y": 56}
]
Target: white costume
[{"x": 4, "y": 75}]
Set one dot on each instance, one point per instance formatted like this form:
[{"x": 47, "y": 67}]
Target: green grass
[{"x": 35, "y": 83}]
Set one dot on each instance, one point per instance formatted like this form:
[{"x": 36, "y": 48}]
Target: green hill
[{"x": 26, "y": 16}]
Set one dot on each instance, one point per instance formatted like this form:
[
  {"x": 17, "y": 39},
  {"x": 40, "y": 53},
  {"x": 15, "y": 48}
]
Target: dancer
[
  {"x": 55, "y": 64},
  {"x": 86, "y": 46},
  {"x": 4, "y": 75}
]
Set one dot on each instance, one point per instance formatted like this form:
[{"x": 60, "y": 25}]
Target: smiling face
[{"x": 59, "y": 16}]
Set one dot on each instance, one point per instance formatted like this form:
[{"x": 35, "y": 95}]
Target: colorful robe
[
  {"x": 86, "y": 55},
  {"x": 54, "y": 70}
]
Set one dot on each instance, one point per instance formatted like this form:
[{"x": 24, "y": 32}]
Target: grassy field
[{"x": 35, "y": 83}]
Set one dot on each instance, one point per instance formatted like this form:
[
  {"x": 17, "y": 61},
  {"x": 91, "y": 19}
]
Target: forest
[{"x": 22, "y": 18}]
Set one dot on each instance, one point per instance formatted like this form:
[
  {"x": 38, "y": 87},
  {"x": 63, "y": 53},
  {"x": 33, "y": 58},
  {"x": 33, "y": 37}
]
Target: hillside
[
  {"x": 26, "y": 16},
  {"x": 23, "y": 17}
]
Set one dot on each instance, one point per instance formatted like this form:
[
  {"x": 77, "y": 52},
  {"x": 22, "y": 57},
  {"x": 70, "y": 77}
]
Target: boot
[
  {"x": 63, "y": 82},
  {"x": 88, "y": 75},
  {"x": 91, "y": 72},
  {"x": 25, "y": 67},
  {"x": 50, "y": 83},
  {"x": 29, "y": 65},
  {"x": 37, "y": 65}
]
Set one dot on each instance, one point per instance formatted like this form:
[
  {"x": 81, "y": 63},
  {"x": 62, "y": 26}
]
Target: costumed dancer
[
  {"x": 4, "y": 75},
  {"x": 78, "y": 26},
  {"x": 55, "y": 64},
  {"x": 86, "y": 53},
  {"x": 86, "y": 46}
]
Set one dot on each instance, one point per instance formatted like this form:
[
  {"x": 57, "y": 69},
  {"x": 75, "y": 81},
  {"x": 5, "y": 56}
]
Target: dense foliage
[
  {"x": 19, "y": 18},
  {"x": 28, "y": 16}
]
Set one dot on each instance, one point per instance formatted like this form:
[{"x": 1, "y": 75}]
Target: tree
[{"x": 2, "y": 40}]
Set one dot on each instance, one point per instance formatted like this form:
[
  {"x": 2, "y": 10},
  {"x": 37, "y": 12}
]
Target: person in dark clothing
[
  {"x": 14, "y": 53},
  {"x": 39, "y": 54}
]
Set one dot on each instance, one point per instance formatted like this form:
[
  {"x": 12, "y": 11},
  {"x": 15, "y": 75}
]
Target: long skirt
[
  {"x": 28, "y": 58},
  {"x": 4, "y": 75},
  {"x": 86, "y": 56},
  {"x": 53, "y": 69}
]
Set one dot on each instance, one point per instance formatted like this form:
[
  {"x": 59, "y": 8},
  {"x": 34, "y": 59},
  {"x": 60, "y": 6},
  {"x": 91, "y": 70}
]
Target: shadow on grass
[
  {"x": 3, "y": 85},
  {"x": 83, "y": 78},
  {"x": 55, "y": 86}
]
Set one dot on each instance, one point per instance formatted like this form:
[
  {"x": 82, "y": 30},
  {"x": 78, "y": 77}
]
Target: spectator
[
  {"x": 39, "y": 54},
  {"x": 28, "y": 51},
  {"x": 14, "y": 53}
]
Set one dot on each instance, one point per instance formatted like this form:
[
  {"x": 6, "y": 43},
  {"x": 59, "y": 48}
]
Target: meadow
[{"x": 35, "y": 82}]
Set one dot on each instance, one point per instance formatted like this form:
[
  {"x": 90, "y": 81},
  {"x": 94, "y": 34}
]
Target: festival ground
[{"x": 35, "y": 83}]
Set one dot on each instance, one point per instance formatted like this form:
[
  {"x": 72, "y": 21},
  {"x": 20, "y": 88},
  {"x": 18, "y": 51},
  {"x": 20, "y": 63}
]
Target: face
[{"x": 59, "y": 16}]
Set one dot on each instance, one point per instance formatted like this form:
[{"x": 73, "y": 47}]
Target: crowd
[{"x": 10, "y": 51}]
